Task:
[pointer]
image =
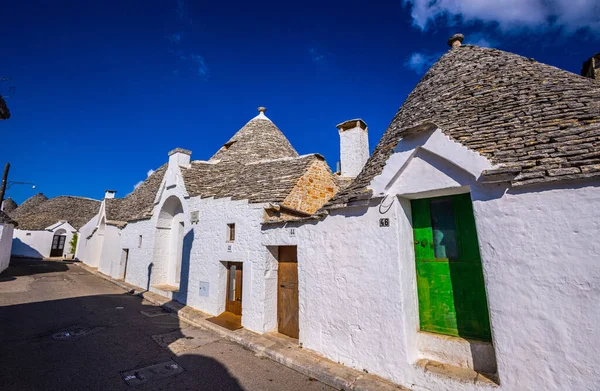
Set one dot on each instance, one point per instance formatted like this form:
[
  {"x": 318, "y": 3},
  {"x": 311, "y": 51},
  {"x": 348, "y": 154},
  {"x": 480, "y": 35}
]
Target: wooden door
[
  {"x": 451, "y": 289},
  {"x": 58, "y": 245},
  {"x": 233, "y": 301},
  {"x": 287, "y": 293},
  {"x": 124, "y": 259}
]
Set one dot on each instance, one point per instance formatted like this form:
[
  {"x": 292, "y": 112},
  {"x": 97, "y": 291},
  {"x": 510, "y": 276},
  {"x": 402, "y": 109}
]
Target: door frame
[
  {"x": 466, "y": 263},
  {"x": 234, "y": 306},
  {"x": 290, "y": 330},
  {"x": 52, "y": 249}
]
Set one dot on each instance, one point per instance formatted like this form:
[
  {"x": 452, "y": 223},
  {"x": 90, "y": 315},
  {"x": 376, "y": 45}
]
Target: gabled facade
[
  {"x": 192, "y": 230},
  {"x": 462, "y": 255}
]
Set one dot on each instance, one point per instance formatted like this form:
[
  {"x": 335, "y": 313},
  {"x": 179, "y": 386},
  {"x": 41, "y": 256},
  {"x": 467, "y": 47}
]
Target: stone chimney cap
[
  {"x": 181, "y": 150},
  {"x": 262, "y": 109},
  {"x": 351, "y": 124},
  {"x": 456, "y": 40},
  {"x": 110, "y": 191}
]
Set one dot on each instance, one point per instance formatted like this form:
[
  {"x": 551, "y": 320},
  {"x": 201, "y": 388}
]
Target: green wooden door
[{"x": 450, "y": 283}]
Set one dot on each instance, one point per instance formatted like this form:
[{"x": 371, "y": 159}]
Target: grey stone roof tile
[
  {"x": 9, "y": 205},
  {"x": 259, "y": 139},
  {"x": 5, "y": 219},
  {"x": 75, "y": 210},
  {"x": 28, "y": 205},
  {"x": 514, "y": 111},
  {"x": 262, "y": 181},
  {"x": 139, "y": 203}
]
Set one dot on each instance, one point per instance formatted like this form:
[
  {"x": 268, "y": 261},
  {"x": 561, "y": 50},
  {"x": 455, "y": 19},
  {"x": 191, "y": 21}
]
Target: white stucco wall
[
  {"x": 110, "y": 254},
  {"x": 37, "y": 244},
  {"x": 6, "y": 236},
  {"x": 540, "y": 252},
  {"x": 354, "y": 151},
  {"x": 205, "y": 249},
  {"x": 83, "y": 241}
]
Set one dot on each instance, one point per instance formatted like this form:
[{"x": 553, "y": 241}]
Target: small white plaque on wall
[
  {"x": 229, "y": 248},
  {"x": 204, "y": 288}
]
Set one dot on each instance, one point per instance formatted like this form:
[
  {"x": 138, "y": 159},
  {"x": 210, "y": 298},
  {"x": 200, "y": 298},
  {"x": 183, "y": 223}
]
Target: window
[
  {"x": 140, "y": 242},
  {"x": 230, "y": 232}
]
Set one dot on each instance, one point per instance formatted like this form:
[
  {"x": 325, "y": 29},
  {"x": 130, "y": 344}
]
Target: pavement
[{"x": 65, "y": 328}]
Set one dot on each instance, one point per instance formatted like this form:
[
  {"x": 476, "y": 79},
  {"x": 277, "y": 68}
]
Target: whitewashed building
[
  {"x": 7, "y": 226},
  {"x": 466, "y": 254},
  {"x": 192, "y": 230},
  {"x": 46, "y": 226}
]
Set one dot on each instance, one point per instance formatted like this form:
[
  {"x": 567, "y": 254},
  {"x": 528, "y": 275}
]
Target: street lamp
[
  {"x": 10, "y": 183},
  {"x": 7, "y": 184}
]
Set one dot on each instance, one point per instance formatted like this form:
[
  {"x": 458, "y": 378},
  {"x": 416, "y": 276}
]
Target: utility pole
[{"x": 4, "y": 181}]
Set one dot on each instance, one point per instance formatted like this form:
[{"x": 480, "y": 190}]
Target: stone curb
[{"x": 276, "y": 348}]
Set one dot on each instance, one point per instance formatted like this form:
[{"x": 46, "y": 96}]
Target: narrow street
[{"x": 62, "y": 328}]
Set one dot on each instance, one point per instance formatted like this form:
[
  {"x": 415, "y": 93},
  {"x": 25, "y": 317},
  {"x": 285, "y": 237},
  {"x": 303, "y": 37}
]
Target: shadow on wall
[
  {"x": 21, "y": 249},
  {"x": 150, "y": 266},
  {"x": 36, "y": 342},
  {"x": 184, "y": 281}
]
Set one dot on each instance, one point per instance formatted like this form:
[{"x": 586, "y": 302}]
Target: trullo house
[
  {"x": 466, "y": 254},
  {"x": 192, "y": 230},
  {"x": 46, "y": 226}
]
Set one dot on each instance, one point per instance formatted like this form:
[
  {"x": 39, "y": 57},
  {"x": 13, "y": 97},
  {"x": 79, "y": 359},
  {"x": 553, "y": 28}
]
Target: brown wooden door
[
  {"x": 58, "y": 245},
  {"x": 287, "y": 294},
  {"x": 233, "y": 302}
]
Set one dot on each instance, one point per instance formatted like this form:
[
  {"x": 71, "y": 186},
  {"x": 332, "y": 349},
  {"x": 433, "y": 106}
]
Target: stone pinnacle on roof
[
  {"x": 456, "y": 40},
  {"x": 539, "y": 123},
  {"x": 261, "y": 114},
  {"x": 258, "y": 140}
]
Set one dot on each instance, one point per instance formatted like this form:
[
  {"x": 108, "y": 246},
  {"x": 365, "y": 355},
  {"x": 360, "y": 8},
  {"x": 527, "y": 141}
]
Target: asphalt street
[{"x": 63, "y": 328}]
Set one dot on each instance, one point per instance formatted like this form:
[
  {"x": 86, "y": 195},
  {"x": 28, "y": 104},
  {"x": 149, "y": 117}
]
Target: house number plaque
[{"x": 385, "y": 222}]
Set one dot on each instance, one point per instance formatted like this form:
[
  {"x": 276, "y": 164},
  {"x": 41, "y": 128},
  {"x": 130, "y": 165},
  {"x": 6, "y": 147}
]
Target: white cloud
[
  {"x": 202, "y": 68},
  {"x": 315, "y": 55},
  {"x": 150, "y": 172},
  {"x": 175, "y": 38},
  {"x": 420, "y": 62},
  {"x": 569, "y": 15},
  {"x": 480, "y": 40}
]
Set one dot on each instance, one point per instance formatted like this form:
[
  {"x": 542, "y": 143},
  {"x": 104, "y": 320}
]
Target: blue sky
[{"x": 103, "y": 90}]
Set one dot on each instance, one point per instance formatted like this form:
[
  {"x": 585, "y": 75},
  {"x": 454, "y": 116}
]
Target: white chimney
[
  {"x": 180, "y": 157},
  {"x": 354, "y": 147},
  {"x": 109, "y": 194}
]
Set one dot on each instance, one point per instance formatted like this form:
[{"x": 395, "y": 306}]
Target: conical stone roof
[
  {"x": 538, "y": 122},
  {"x": 28, "y": 205},
  {"x": 77, "y": 211},
  {"x": 258, "y": 140},
  {"x": 9, "y": 205}
]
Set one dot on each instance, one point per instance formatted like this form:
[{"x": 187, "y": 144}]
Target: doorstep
[
  {"x": 166, "y": 287},
  {"x": 274, "y": 346},
  {"x": 464, "y": 375}
]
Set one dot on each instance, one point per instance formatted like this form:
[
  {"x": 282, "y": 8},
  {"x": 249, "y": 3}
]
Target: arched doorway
[
  {"x": 58, "y": 243},
  {"x": 168, "y": 249}
]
